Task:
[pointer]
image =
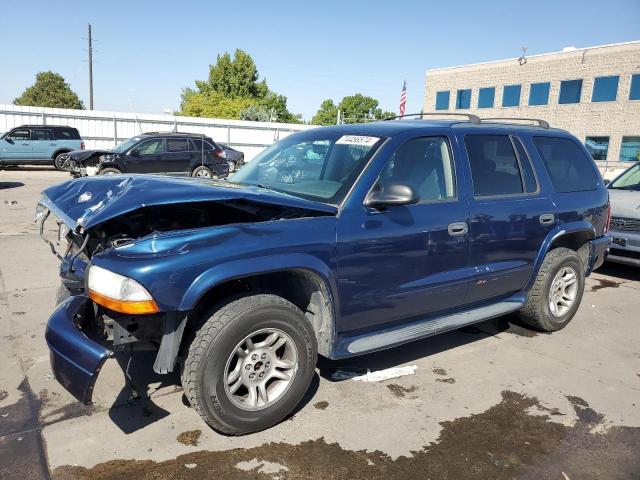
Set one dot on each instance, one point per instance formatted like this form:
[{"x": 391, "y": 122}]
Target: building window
[
  {"x": 539, "y": 93},
  {"x": 486, "y": 97},
  {"x": 570, "y": 91},
  {"x": 463, "y": 99},
  {"x": 598, "y": 147},
  {"x": 605, "y": 89},
  {"x": 442, "y": 100},
  {"x": 630, "y": 151},
  {"x": 511, "y": 95},
  {"x": 634, "y": 91}
]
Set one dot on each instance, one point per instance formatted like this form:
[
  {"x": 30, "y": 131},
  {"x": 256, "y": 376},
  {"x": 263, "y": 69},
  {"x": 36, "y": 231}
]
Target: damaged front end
[
  {"x": 89, "y": 222},
  {"x": 87, "y": 163}
]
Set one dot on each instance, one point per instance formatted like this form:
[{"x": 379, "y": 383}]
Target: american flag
[{"x": 403, "y": 99}]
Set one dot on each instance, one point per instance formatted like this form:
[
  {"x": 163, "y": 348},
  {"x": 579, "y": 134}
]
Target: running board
[{"x": 397, "y": 335}]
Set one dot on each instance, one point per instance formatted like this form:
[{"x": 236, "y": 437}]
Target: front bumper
[
  {"x": 76, "y": 360},
  {"x": 625, "y": 248}
]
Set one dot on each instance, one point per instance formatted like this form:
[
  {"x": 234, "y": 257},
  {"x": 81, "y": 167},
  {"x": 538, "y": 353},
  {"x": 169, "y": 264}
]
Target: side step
[{"x": 399, "y": 334}]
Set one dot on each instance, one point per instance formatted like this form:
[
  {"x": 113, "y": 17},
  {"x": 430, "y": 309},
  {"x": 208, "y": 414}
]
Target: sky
[{"x": 146, "y": 52}]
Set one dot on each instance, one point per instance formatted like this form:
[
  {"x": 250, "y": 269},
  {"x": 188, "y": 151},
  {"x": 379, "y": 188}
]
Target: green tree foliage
[
  {"x": 233, "y": 90},
  {"x": 50, "y": 90},
  {"x": 353, "y": 109},
  {"x": 327, "y": 114}
]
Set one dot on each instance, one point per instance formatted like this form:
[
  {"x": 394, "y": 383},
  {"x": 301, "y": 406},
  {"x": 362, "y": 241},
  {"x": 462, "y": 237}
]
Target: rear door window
[
  {"x": 41, "y": 134},
  {"x": 494, "y": 165},
  {"x": 568, "y": 165},
  {"x": 66, "y": 134},
  {"x": 175, "y": 145}
]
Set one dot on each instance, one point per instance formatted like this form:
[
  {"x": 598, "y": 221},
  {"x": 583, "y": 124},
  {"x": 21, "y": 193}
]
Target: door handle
[
  {"x": 458, "y": 229},
  {"x": 547, "y": 219}
]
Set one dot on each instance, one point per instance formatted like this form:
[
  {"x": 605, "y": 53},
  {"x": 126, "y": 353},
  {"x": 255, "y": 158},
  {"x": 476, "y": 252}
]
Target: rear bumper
[
  {"x": 599, "y": 248},
  {"x": 76, "y": 360}
]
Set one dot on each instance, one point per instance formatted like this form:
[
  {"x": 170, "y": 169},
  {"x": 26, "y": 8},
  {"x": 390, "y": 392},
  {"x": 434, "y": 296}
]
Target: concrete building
[{"x": 592, "y": 92}]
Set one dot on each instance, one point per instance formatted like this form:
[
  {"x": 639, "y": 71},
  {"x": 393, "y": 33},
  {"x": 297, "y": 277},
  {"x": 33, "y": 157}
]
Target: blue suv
[
  {"x": 336, "y": 241},
  {"x": 39, "y": 144}
]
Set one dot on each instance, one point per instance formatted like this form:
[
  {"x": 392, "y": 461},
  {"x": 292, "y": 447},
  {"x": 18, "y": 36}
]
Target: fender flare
[
  {"x": 255, "y": 266},
  {"x": 59, "y": 151},
  {"x": 557, "y": 232}
]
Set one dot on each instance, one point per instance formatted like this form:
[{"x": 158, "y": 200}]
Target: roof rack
[
  {"x": 539, "y": 121},
  {"x": 470, "y": 116}
]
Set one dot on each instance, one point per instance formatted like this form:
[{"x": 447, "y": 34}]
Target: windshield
[
  {"x": 629, "y": 180},
  {"x": 319, "y": 165},
  {"x": 126, "y": 145}
]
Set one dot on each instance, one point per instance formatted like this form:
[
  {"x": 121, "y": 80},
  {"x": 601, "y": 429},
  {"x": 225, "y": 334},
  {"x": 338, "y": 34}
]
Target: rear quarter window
[
  {"x": 66, "y": 134},
  {"x": 569, "y": 167}
]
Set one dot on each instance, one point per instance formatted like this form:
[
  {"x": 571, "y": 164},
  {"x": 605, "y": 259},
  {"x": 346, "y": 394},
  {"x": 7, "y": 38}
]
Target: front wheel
[
  {"x": 556, "y": 293},
  {"x": 109, "y": 171},
  {"x": 250, "y": 364}
]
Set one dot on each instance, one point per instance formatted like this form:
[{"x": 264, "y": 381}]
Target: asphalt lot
[{"x": 490, "y": 401}]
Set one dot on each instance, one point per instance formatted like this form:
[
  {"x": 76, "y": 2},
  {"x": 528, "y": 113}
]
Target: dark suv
[
  {"x": 182, "y": 154},
  {"x": 336, "y": 241}
]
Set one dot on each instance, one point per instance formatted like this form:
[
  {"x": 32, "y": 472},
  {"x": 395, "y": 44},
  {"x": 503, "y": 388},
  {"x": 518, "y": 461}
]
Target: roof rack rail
[
  {"x": 470, "y": 116},
  {"x": 539, "y": 121}
]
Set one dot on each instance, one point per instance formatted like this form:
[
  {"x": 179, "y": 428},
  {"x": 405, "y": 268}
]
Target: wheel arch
[
  {"x": 574, "y": 235},
  {"x": 59, "y": 151},
  {"x": 302, "y": 279}
]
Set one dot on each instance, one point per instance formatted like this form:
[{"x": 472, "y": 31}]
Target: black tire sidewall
[
  {"x": 211, "y": 375},
  {"x": 570, "y": 260},
  {"x": 56, "y": 161}
]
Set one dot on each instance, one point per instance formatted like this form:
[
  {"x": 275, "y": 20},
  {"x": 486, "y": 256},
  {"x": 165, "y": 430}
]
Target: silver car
[{"x": 624, "y": 193}]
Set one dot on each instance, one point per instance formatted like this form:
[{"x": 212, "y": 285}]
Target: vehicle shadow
[
  {"x": 28, "y": 168},
  {"x": 7, "y": 185},
  {"x": 625, "y": 272},
  {"x": 424, "y": 348},
  {"x": 134, "y": 408}
]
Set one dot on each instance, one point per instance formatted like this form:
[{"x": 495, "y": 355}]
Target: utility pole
[{"x": 90, "y": 71}]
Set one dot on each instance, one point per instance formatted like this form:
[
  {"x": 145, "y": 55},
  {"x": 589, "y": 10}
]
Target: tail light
[
  {"x": 81, "y": 145},
  {"x": 608, "y": 224},
  {"x": 219, "y": 153}
]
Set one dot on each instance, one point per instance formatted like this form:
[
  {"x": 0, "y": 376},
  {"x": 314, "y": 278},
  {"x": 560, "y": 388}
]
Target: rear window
[
  {"x": 570, "y": 168},
  {"x": 197, "y": 144},
  {"x": 66, "y": 134},
  {"x": 177, "y": 145}
]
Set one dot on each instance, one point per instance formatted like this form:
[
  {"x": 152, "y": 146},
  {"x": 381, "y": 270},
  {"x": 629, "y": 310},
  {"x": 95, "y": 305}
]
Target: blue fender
[
  {"x": 255, "y": 266},
  {"x": 557, "y": 232}
]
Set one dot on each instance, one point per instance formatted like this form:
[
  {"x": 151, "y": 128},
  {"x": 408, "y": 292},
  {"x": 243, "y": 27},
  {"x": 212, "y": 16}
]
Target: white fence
[{"x": 102, "y": 130}]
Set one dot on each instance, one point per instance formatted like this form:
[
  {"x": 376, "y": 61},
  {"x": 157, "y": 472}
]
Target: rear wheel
[
  {"x": 250, "y": 364},
  {"x": 556, "y": 293},
  {"x": 61, "y": 162},
  {"x": 109, "y": 171},
  {"x": 202, "y": 172}
]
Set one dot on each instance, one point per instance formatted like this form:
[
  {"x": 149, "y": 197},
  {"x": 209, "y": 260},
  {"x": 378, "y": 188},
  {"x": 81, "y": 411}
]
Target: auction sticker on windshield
[{"x": 357, "y": 140}]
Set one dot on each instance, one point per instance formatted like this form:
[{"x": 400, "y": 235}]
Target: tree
[
  {"x": 327, "y": 114},
  {"x": 233, "y": 90},
  {"x": 359, "y": 108},
  {"x": 353, "y": 109},
  {"x": 50, "y": 90}
]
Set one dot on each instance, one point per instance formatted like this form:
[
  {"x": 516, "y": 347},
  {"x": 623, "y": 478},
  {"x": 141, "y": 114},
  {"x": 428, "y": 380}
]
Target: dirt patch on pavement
[
  {"x": 604, "y": 283},
  {"x": 400, "y": 391},
  {"x": 190, "y": 438},
  {"x": 321, "y": 405},
  {"x": 446, "y": 380},
  {"x": 440, "y": 371},
  {"x": 506, "y": 441},
  {"x": 3, "y": 394}
]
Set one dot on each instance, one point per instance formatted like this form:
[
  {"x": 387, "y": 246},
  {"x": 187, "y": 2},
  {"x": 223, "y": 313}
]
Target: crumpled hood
[
  {"x": 624, "y": 203},
  {"x": 80, "y": 155},
  {"x": 86, "y": 202}
]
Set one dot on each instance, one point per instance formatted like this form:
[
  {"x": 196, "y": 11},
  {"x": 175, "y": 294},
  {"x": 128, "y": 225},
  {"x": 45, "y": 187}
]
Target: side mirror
[
  {"x": 392, "y": 193},
  {"x": 9, "y": 139},
  {"x": 134, "y": 152},
  {"x": 607, "y": 182}
]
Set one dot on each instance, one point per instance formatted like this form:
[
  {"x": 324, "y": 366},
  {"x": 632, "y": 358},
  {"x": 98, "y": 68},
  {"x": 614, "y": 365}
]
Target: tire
[
  {"x": 555, "y": 272},
  {"x": 109, "y": 171},
  {"x": 202, "y": 172},
  {"x": 208, "y": 368},
  {"x": 61, "y": 162}
]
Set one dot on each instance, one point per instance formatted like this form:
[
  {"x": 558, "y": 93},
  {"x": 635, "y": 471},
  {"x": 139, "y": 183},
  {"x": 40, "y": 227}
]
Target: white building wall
[{"x": 102, "y": 130}]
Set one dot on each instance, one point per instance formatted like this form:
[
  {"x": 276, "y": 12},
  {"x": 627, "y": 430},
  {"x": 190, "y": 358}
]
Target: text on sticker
[{"x": 357, "y": 140}]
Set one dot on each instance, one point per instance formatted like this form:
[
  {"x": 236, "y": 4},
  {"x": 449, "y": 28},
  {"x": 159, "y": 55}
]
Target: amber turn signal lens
[{"x": 130, "y": 307}]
